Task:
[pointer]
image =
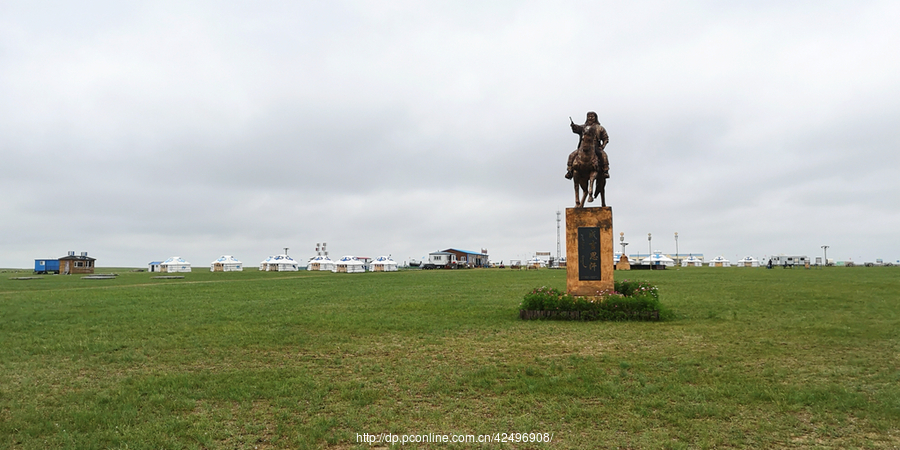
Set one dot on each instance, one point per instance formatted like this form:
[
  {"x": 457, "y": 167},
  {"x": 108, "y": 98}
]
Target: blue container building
[{"x": 46, "y": 266}]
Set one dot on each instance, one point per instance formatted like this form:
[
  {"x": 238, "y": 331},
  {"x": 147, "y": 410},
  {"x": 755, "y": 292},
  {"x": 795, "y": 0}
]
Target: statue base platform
[{"x": 589, "y": 251}]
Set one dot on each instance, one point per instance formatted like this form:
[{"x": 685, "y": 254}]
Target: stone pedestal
[{"x": 589, "y": 250}]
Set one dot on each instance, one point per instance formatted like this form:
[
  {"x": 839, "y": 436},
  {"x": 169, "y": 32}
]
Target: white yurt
[
  {"x": 320, "y": 263},
  {"x": 349, "y": 264},
  {"x": 536, "y": 263},
  {"x": 658, "y": 259},
  {"x": 226, "y": 263},
  {"x": 384, "y": 264},
  {"x": 279, "y": 263},
  {"x": 719, "y": 261},
  {"x": 692, "y": 261},
  {"x": 175, "y": 264},
  {"x": 748, "y": 261}
]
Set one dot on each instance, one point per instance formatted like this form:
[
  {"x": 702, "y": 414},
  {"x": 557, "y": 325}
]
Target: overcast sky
[{"x": 139, "y": 131}]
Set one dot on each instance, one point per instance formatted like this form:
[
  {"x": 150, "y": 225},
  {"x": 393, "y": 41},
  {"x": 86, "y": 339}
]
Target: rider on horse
[{"x": 599, "y": 133}]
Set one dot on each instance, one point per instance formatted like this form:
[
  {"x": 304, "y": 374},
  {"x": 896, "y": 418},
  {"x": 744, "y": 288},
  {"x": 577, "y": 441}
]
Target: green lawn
[{"x": 753, "y": 358}]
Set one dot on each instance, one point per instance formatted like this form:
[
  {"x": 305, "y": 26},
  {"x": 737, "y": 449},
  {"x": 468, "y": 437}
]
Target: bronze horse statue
[{"x": 585, "y": 169}]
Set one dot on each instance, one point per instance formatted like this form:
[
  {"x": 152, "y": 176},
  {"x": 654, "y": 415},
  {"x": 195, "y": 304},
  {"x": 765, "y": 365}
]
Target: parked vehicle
[
  {"x": 441, "y": 260},
  {"x": 790, "y": 261}
]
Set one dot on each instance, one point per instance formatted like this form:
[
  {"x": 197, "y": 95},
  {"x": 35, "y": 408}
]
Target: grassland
[{"x": 754, "y": 358}]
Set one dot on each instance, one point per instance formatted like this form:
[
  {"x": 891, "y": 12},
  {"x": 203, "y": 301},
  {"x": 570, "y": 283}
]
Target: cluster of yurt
[
  {"x": 279, "y": 263},
  {"x": 283, "y": 263},
  {"x": 691, "y": 261},
  {"x": 658, "y": 259},
  {"x": 349, "y": 264},
  {"x": 719, "y": 261},
  {"x": 747, "y": 261},
  {"x": 384, "y": 264},
  {"x": 320, "y": 263},
  {"x": 226, "y": 263}
]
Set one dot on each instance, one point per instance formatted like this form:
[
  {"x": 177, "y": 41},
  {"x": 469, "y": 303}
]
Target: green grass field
[{"x": 754, "y": 358}]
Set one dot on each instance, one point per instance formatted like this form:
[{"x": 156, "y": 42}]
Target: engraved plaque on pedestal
[
  {"x": 589, "y": 250},
  {"x": 589, "y": 253}
]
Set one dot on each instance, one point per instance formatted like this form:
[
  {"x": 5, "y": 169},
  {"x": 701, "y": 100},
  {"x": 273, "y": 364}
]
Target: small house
[
  {"x": 469, "y": 259},
  {"x": 72, "y": 264}
]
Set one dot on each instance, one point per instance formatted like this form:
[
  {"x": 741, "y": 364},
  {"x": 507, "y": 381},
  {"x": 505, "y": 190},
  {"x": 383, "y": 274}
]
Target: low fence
[{"x": 586, "y": 315}]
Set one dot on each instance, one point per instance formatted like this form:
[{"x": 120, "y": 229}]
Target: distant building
[
  {"x": 349, "y": 264},
  {"x": 786, "y": 260},
  {"x": 470, "y": 259},
  {"x": 658, "y": 259},
  {"x": 175, "y": 264},
  {"x": 545, "y": 257},
  {"x": 72, "y": 263},
  {"x": 279, "y": 263},
  {"x": 384, "y": 264},
  {"x": 440, "y": 260},
  {"x": 366, "y": 261},
  {"x": 320, "y": 263},
  {"x": 692, "y": 261},
  {"x": 719, "y": 261},
  {"x": 536, "y": 263},
  {"x": 678, "y": 258},
  {"x": 226, "y": 263},
  {"x": 747, "y": 261},
  {"x": 42, "y": 266}
]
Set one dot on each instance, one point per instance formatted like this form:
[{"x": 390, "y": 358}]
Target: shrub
[
  {"x": 630, "y": 300},
  {"x": 636, "y": 288}
]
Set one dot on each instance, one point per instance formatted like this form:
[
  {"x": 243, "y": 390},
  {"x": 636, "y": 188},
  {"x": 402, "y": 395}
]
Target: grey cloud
[{"x": 404, "y": 127}]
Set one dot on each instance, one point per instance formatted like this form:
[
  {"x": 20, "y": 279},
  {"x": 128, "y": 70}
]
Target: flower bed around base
[{"x": 630, "y": 300}]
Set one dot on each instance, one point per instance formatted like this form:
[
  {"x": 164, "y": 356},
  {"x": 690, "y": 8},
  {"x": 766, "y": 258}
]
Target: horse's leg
[
  {"x": 585, "y": 192},
  {"x": 575, "y": 182},
  {"x": 590, "y": 186},
  {"x": 601, "y": 186}
]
